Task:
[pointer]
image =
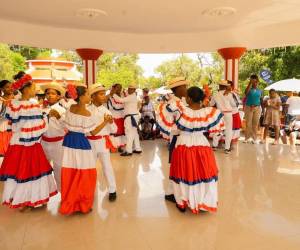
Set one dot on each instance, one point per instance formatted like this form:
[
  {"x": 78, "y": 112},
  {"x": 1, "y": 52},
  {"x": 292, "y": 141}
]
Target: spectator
[
  {"x": 293, "y": 106},
  {"x": 148, "y": 115},
  {"x": 292, "y": 131},
  {"x": 252, "y": 109},
  {"x": 272, "y": 115}
]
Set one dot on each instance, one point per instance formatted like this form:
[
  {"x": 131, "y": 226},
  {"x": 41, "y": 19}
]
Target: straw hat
[
  {"x": 96, "y": 87},
  {"x": 39, "y": 90},
  {"x": 54, "y": 85},
  {"x": 132, "y": 86},
  {"x": 176, "y": 82},
  {"x": 224, "y": 83}
]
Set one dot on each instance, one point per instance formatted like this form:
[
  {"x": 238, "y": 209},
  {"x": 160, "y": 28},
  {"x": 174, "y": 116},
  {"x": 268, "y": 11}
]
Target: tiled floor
[{"x": 259, "y": 208}]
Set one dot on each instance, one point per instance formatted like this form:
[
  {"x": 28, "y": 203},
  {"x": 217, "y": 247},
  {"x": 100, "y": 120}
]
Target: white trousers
[
  {"x": 228, "y": 132},
  {"x": 132, "y": 136},
  {"x": 53, "y": 151},
  {"x": 108, "y": 171}
]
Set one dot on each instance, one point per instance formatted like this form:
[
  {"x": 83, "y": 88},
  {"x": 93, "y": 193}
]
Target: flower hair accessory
[
  {"x": 72, "y": 92},
  {"x": 21, "y": 82}
]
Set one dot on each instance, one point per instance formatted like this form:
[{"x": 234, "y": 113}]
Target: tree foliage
[
  {"x": 28, "y": 52},
  {"x": 119, "y": 68},
  {"x": 10, "y": 62},
  {"x": 283, "y": 63},
  {"x": 180, "y": 66}
]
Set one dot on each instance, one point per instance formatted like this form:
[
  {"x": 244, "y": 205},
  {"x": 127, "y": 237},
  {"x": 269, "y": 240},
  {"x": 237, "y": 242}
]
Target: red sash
[
  {"x": 52, "y": 139},
  {"x": 108, "y": 142}
]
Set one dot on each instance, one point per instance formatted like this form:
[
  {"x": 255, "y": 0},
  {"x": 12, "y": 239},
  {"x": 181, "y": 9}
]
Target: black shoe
[
  {"x": 170, "y": 197},
  {"x": 182, "y": 210},
  {"x": 126, "y": 154},
  {"x": 120, "y": 150},
  {"x": 137, "y": 152},
  {"x": 112, "y": 196},
  {"x": 227, "y": 151}
]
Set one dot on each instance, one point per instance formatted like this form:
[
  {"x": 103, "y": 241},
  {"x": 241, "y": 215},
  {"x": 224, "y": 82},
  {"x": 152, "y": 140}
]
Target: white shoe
[
  {"x": 248, "y": 141},
  {"x": 256, "y": 142}
]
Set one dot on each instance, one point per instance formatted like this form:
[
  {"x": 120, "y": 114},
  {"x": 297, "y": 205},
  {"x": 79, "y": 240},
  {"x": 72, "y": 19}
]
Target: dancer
[
  {"x": 166, "y": 123},
  {"x": 78, "y": 173},
  {"x": 193, "y": 172},
  {"x": 131, "y": 121},
  {"x": 117, "y": 110},
  {"x": 101, "y": 143},
  {"x": 25, "y": 170},
  {"x": 236, "y": 117},
  {"x": 52, "y": 139},
  {"x": 224, "y": 101},
  {"x": 7, "y": 94}
]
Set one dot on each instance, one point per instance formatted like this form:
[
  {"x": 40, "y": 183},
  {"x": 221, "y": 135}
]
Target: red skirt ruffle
[
  {"x": 77, "y": 190},
  {"x": 236, "y": 121},
  {"x": 4, "y": 141},
  {"x": 193, "y": 165},
  {"x": 120, "y": 125},
  {"x": 24, "y": 163}
]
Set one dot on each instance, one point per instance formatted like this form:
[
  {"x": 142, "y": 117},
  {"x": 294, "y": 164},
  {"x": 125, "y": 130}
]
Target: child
[
  {"x": 194, "y": 173},
  {"x": 25, "y": 169},
  {"x": 147, "y": 132},
  {"x": 101, "y": 143},
  {"x": 78, "y": 173},
  {"x": 5, "y": 130},
  {"x": 53, "y": 137},
  {"x": 272, "y": 115}
]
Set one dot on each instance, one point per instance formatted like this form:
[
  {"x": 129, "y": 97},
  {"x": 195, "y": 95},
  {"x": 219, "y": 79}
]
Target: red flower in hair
[
  {"x": 71, "y": 89},
  {"x": 21, "y": 82}
]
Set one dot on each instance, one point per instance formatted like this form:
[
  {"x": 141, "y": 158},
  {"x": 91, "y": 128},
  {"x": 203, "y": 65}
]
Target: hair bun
[{"x": 19, "y": 75}]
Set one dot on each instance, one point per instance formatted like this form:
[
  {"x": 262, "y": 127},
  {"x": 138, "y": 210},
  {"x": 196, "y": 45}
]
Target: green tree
[
  {"x": 71, "y": 55},
  {"x": 119, "y": 67},
  {"x": 180, "y": 66},
  {"x": 213, "y": 69},
  {"x": 28, "y": 52},
  {"x": 10, "y": 62}
]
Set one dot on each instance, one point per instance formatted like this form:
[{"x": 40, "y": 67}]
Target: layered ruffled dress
[
  {"x": 25, "y": 170},
  {"x": 78, "y": 173},
  {"x": 117, "y": 110},
  {"x": 5, "y": 135},
  {"x": 194, "y": 172}
]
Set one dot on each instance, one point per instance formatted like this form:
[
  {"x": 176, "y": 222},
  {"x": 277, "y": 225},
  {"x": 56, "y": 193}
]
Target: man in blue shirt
[{"x": 252, "y": 109}]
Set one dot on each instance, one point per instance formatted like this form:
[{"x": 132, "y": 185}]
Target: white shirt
[
  {"x": 174, "y": 99},
  {"x": 67, "y": 103},
  {"x": 56, "y": 127},
  {"x": 294, "y": 105},
  {"x": 296, "y": 125},
  {"x": 237, "y": 101},
  {"x": 130, "y": 103},
  {"x": 147, "y": 110},
  {"x": 98, "y": 113},
  {"x": 225, "y": 103}
]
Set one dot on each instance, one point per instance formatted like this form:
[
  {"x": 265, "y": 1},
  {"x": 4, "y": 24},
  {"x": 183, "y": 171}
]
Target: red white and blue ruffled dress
[
  {"x": 194, "y": 172},
  {"x": 5, "y": 135},
  {"x": 78, "y": 173},
  {"x": 25, "y": 170},
  {"x": 117, "y": 110}
]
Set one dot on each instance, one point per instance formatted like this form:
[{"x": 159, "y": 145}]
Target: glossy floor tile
[{"x": 259, "y": 208}]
